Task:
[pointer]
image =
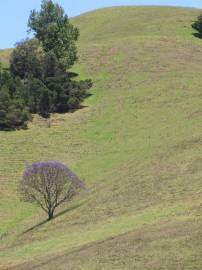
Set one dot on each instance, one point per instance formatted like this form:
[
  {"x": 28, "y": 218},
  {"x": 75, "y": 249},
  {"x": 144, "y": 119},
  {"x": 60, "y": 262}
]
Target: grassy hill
[
  {"x": 137, "y": 143},
  {"x": 4, "y": 57}
]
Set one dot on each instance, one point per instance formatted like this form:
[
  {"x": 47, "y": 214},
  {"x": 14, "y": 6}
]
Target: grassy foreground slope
[{"x": 137, "y": 143}]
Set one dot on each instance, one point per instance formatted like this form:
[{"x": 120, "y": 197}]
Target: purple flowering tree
[{"x": 49, "y": 184}]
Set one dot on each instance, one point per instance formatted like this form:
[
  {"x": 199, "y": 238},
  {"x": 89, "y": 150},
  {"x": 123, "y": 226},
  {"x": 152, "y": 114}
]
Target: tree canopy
[
  {"x": 52, "y": 28},
  {"x": 13, "y": 113}
]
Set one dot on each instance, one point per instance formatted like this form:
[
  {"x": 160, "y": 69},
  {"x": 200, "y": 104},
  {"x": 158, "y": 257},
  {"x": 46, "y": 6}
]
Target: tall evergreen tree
[{"x": 52, "y": 28}]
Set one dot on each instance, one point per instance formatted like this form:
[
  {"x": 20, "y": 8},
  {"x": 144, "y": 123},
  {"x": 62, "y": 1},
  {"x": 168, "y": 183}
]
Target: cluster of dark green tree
[
  {"x": 37, "y": 80},
  {"x": 197, "y": 25}
]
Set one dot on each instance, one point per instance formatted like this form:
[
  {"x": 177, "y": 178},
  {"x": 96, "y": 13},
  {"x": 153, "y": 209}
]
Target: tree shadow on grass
[
  {"x": 81, "y": 107},
  {"x": 197, "y": 35},
  {"x": 56, "y": 216},
  {"x": 72, "y": 74}
]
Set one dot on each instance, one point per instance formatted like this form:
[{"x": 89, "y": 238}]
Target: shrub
[
  {"x": 197, "y": 25},
  {"x": 13, "y": 113}
]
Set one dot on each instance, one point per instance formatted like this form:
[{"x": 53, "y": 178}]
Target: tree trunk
[{"x": 50, "y": 215}]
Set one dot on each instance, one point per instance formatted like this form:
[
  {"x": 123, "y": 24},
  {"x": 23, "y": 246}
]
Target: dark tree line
[{"x": 37, "y": 80}]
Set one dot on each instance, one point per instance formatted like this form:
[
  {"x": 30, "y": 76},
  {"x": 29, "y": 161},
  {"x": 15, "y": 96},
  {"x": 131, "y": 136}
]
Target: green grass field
[{"x": 137, "y": 143}]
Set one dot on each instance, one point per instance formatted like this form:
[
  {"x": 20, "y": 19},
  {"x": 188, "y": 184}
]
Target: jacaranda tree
[{"x": 49, "y": 184}]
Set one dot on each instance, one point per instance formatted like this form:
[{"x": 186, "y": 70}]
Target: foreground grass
[{"x": 136, "y": 144}]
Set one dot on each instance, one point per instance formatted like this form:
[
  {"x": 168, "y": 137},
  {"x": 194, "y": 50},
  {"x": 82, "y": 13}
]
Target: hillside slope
[{"x": 137, "y": 143}]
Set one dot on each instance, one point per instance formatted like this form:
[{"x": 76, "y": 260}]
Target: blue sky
[{"x": 14, "y": 13}]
